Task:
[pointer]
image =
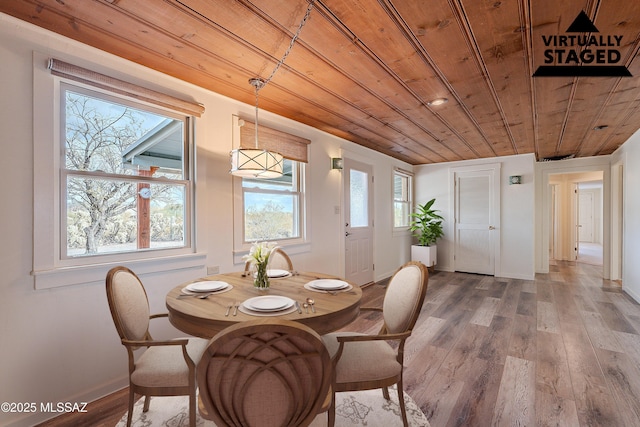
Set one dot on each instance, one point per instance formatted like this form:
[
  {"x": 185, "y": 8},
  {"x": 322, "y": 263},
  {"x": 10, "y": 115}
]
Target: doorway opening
[
  {"x": 589, "y": 222},
  {"x": 577, "y": 220}
]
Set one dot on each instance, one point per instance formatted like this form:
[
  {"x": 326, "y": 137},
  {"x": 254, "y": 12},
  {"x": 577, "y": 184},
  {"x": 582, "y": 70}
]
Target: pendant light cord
[
  {"x": 259, "y": 83},
  {"x": 293, "y": 41}
]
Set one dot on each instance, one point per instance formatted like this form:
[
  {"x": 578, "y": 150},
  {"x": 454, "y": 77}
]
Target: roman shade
[
  {"x": 291, "y": 147},
  {"x": 83, "y": 75}
]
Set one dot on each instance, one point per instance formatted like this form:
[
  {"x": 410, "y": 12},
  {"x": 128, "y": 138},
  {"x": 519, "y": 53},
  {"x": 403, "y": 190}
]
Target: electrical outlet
[{"x": 213, "y": 270}]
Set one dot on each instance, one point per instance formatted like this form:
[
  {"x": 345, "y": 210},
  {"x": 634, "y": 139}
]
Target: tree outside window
[
  {"x": 124, "y": 175},
  {"x": 272, "y": 207}
]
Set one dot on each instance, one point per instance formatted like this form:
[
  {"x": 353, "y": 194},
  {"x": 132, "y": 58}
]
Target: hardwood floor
[{"x": 561, "y": 350}]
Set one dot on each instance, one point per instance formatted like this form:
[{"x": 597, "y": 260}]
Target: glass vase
[{"x": 261, "y": 278}]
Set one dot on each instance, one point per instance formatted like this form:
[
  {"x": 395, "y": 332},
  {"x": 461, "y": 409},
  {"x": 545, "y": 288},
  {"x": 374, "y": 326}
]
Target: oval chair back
[{"x": 264, "y": 373}]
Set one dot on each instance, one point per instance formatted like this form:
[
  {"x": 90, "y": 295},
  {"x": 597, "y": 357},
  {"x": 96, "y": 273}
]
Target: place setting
[
  {"x": 268, "y": 305},
  {"x": 204, "y": 288},
  {"x": 272, "y": 273},
  {"x": 286, "y": 297},
  {"x": 331, "y": 286},
  {"x": 275, "y": 273}
]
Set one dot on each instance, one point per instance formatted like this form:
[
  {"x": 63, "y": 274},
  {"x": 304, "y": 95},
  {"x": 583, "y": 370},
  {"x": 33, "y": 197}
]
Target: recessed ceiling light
[
  {"x": 437, "y": 101},
  {"x": 601, "y": 127}
]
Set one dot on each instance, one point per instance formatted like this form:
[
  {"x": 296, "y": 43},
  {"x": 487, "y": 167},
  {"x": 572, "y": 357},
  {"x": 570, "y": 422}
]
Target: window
[
  {"x": 402, "y": 198},
  {"x": 358, "y": 198},
  {"x": 272, "y": 207},
  {"x": 113, "y": 177},
  {"x": 124, "y": 179}
]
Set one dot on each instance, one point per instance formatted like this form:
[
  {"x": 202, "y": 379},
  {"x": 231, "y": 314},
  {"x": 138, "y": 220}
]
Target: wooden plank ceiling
[{"x": 366, "y": 70}]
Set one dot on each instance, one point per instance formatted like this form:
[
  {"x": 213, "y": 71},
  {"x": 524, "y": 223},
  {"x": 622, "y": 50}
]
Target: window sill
[{"x": 96, "y": 273}]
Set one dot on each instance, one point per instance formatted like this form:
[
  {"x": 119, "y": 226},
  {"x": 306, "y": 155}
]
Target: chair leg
[
  {"x": 147, "y": 402},
  {"x": 130, "y": 413},
  {"x": 332, "y": 411},
  {"x": 403, "y": 409},
  {"x": 192, "y": 408},
  {"x": 385, "y": 393}
]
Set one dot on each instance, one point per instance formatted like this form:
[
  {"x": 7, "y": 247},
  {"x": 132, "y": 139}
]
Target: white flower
[{"x": 260, "y": 252}]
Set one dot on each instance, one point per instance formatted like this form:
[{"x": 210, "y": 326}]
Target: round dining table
[{"x": 205, "y": 317}]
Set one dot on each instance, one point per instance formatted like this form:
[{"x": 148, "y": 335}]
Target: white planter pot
[{"x": 425, "y": 254}]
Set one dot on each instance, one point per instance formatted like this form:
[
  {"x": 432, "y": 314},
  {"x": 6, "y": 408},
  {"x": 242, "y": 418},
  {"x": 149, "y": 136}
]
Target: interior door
[
  {"x": 585, "y": 217},
  {"x": 358, "y": 230},
  {"x": 476, "y": 221}
]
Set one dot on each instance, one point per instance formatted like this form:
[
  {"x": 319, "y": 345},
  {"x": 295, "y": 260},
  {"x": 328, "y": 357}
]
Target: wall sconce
[
  {"x": 515, "y": 179},
  {"x": 336, "y": 163}
]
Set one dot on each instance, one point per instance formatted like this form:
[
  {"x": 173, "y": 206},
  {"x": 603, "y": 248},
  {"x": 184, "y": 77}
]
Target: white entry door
[
  {"x": 358, "y": 230},
  {"x": 476, "y": 220}
]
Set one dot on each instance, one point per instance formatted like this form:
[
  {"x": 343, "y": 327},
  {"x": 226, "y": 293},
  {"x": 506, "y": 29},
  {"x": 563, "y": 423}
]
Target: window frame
[
  {"x": 296, "y": 191},
  {"x": 50, "y": 268},
  {"x": 65, "y": 173},
  {"x": 397, "y": 172},
  {"x": 293, "y": 245}
]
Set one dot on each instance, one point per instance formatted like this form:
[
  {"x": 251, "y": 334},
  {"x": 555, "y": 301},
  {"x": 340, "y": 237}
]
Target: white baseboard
[{"x": 632, "y": 294}]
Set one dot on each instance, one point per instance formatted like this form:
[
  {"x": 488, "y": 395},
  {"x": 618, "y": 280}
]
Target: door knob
[
  {"x": 491, "y": 227},
  {"x": 346, "y": 233}
]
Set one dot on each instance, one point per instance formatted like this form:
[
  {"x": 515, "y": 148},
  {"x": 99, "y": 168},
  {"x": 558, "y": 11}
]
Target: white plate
[
  {"x": 328, "y": 284},
  {"x": 268, "y": 303},
  {"x": 206, "y": 286},
  {"x": 277, "y": 273}
]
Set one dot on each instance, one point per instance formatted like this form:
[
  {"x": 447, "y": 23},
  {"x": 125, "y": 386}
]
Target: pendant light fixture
[{"x": 258, "y": 162}]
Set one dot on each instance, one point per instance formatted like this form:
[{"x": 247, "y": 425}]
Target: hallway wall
[{"x": 629, "y": 156}]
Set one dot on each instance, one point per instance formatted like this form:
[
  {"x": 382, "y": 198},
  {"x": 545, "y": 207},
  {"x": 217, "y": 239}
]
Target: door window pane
[{"x": 359, "y": 196}]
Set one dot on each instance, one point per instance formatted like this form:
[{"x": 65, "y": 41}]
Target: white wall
[
  {"x": 629, "y": 157},
  {"x": 516, "y": 211},
  {"x": 60, "y": 344}
]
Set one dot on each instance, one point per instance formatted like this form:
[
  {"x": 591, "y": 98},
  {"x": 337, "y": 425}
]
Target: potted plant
[{"x": 426, "y": 224}]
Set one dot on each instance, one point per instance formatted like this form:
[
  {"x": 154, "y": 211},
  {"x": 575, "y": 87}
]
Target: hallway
[{"x": 590, "y": 253}]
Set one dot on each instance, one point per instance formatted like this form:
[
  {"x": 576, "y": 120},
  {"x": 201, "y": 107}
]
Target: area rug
[{"x": 363, "y": 408}]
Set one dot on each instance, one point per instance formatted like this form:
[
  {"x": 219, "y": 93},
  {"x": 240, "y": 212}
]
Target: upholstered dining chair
[
  {"x": 365, "y": 362},
  {"x": 165, "y": 368},
  {"x": 265, "y": 373},
  {"x": 277, "y": 260}
]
